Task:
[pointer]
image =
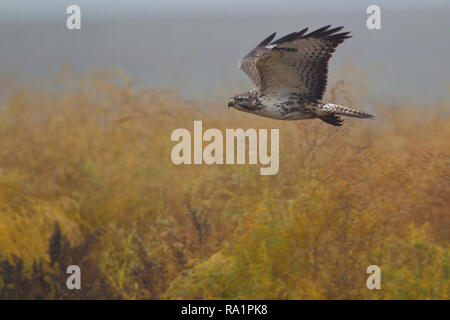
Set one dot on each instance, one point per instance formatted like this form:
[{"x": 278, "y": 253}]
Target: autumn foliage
[{"x": 86, "y": 178}]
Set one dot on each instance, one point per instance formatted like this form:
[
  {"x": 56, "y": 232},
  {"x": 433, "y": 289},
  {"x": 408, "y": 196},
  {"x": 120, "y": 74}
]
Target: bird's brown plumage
[
  {"x": 290, "y": 76},
  {"x": 296, "y": 63}
]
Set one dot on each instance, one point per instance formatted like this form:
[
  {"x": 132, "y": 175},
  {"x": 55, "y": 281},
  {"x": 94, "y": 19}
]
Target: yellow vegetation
[{"x": 92, "y": 154}]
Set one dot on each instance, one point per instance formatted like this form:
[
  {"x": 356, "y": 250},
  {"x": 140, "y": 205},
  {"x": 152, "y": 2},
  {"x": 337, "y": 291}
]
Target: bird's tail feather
[{"x": 346, "y": 111}]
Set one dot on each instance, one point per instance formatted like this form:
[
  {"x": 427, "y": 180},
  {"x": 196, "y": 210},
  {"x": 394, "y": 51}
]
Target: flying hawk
[{"x": 290, "y": 75}]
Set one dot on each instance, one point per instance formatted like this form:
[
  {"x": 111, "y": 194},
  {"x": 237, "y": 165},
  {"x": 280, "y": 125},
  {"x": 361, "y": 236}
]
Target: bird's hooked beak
[{"x": 231, "y": 103}]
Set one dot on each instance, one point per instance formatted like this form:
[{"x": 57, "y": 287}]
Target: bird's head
[{"x": 241, "y": 102}]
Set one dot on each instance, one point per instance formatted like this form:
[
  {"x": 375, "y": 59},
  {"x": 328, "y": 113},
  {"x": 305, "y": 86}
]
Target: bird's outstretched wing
[{"x": 295, "y": 63}]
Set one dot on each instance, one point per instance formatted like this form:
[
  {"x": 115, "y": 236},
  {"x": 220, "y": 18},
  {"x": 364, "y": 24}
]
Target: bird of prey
[{"x": 289, "y": 77}]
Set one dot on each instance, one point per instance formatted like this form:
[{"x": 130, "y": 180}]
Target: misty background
[{"x": 194, "y": 46}]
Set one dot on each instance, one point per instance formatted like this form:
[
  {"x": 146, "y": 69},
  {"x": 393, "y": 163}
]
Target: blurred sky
[
  {"x": 47, "y": 8},
  {"x": 195, "y": 45}
]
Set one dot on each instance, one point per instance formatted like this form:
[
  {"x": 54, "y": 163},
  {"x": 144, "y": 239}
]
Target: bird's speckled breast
[{"x": 290, "y": 107}]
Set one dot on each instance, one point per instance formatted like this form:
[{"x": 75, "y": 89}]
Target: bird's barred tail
[{"x": 346, "y": 111}]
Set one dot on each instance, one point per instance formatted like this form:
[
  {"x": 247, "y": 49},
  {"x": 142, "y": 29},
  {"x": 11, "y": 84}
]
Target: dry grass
[{"x": 93, "y": 154}]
